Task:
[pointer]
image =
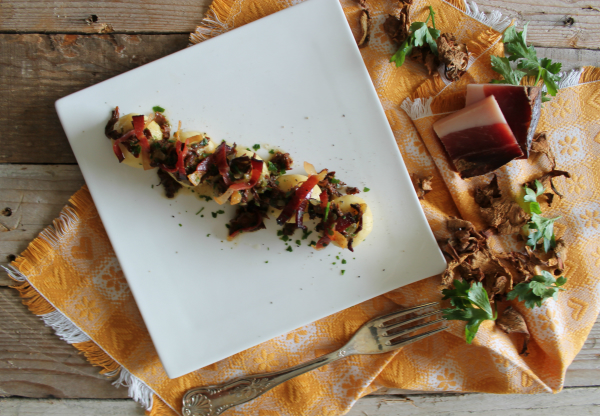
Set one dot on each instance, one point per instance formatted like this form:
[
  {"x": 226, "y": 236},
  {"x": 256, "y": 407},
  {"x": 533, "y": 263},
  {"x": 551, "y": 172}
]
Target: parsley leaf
[
  {"x": 531, "y": 197},
  {"x": 538, "y": 289},
  {"x": 471, "y": 304},
  {"x": 158, "y": 109},
  {"x": 543, "y": 228},
  {"x": 528, "y": 64},
  {"x": 256, "y": 147},
  {"x": 420, "y": 35}
]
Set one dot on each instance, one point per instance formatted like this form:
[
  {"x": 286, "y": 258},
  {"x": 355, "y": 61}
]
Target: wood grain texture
[
  {"x": 575, "y": 401},
  {"x": 120, "y": 16},
  {"x": 553, "y": 23},
  {"x": 30, "y": 353},
  {"x": 36, "y": 363},
  {"x": 36, "y": 70},
  {"x": 35, "y": 195}
]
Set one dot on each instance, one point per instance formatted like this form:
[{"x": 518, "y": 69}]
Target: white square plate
[{"x": 294, "y": 80}]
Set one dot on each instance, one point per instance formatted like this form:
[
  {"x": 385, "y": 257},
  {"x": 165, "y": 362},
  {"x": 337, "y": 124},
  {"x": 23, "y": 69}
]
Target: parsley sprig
[
  {"x": 420, "y": 35},
  {"x": 528, "y": 64},
  {"x": 538, "y": 289},
  {"x": 471, "y": 304},
  {"x": 543, "y": 228}
]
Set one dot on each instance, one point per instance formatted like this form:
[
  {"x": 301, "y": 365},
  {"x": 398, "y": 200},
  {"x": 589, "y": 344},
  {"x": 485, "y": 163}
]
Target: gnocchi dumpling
[{"x": 345, "y": 204}]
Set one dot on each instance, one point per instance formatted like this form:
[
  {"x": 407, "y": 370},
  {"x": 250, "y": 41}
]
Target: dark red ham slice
[
  {"x": 520, "y": 105},
  {"x": 477, "y": 138}
]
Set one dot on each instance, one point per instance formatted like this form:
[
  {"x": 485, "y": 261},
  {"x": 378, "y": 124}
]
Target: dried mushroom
[
  {"x": 397, "y": 25},
  {"x": 512, "y": 321},
  {"x": 422, "y": 185},
  {"x": 453, "y": 55},
  {"x": 524, "y": 266},
  {"x": 540, "y": 145},
  {"x": 364, "y": 21},
  {"x": 471, "y": 259},
  {"x": 424, "y": 56},
  {"x": 500, "y": 212}
]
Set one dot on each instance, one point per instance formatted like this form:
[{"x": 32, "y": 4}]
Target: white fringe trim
[
  {"x": 71, "y": 334},
  {"x": 418, "y": 108},
  {"x": 571, "y": 78},
  {"x": 136, "y": 389},
  {"x": 210, "y": 27},
  {"x": 64, "y": 328},
  {"x": 493, "y": 19}
]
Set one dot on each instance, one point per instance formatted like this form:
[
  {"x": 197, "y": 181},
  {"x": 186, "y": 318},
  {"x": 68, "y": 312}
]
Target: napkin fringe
[
  {"x": 64, "y": 328},
  {"x": 493, "y": 19},
  {"x": 214, "y": 22},
  {"x": 417, "y": 108},
  {"x": 570, "y": 78},
  {"x": 136, "y": 389}
]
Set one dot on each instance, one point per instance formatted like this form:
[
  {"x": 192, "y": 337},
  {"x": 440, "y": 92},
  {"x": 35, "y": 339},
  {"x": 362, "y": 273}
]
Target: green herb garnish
[
  {"x": 538, "y": 289},
  {"x": 528, "y": 64},
  {"x": 420, "y": 34},
  {"x": 289, "y": 249},
  {"x": 343, "y": 271},
  {"x": 305, "y": 234},
  {"x": 256, "y": 147},
  {"x": 201, "y": 209},
  {"x": 214, "y": 214},
  {"x": 206, "y": 197},
  {"x": 271, "y": 152},
  {"x": 326, "y": 212},
  {"x": 543, "y": 227},
  {"x": 365, "y": 189},
  {"x": 471, "y": 304},
  {"x": 158, "y": 109}
]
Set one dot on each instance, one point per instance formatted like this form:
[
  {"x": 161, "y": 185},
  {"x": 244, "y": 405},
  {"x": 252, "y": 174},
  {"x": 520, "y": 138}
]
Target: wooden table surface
[{"x": 49, "y": 49}]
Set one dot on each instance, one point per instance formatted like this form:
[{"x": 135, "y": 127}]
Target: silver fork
[{"x": 375, "y": 337}]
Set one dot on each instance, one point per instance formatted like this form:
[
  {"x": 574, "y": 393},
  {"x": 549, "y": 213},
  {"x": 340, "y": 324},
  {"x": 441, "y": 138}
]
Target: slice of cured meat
[
  {"x": 520, "y": 105},
  {"x": 477, "y": 138}
]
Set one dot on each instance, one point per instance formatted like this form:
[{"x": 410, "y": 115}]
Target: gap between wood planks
[{"x": 580, "y": 401}]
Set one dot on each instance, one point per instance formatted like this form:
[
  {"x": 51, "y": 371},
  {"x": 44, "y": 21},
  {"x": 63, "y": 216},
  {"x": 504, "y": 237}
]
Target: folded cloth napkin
[{"x": 70, "y": 277}]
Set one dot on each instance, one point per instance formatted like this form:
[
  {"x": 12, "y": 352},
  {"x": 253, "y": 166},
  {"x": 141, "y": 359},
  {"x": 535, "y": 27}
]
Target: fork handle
[{"x": 214, "y": 400}]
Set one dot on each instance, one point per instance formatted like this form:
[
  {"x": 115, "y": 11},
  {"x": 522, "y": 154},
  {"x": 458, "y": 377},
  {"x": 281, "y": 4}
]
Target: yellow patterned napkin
[{"x": 70, "y": 277}]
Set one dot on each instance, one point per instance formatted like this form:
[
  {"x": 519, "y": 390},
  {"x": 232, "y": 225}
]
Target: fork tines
[{"x": 389, "y": 323}]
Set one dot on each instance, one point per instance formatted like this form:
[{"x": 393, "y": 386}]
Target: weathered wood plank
[
  {"x": 573, "y": 401},
  {"x": 36, "y": 363},
  {"x": 83, "y": 407},
  {"x": 579, "y": 401},
  {"x": 36, "y": 70},
  {"x": 35, "y": 195},
  {"x": 553, "y": 23},
  {"x": 129, "y": 16}
]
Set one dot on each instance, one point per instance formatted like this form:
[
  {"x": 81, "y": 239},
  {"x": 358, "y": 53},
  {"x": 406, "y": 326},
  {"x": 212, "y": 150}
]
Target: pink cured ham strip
[
  {"x": 478, "y": 138},
  {"x": 520, "y": 105}
]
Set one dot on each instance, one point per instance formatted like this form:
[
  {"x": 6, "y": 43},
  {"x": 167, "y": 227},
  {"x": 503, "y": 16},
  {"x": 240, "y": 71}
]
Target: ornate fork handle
[{"x": 214, "y": 400}]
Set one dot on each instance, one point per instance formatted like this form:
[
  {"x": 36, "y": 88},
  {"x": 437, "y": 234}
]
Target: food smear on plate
[
  {"x": 478, "y": 138},
  {"x": 236, "y": 175},
  {"x": 520, "y": 105}
]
